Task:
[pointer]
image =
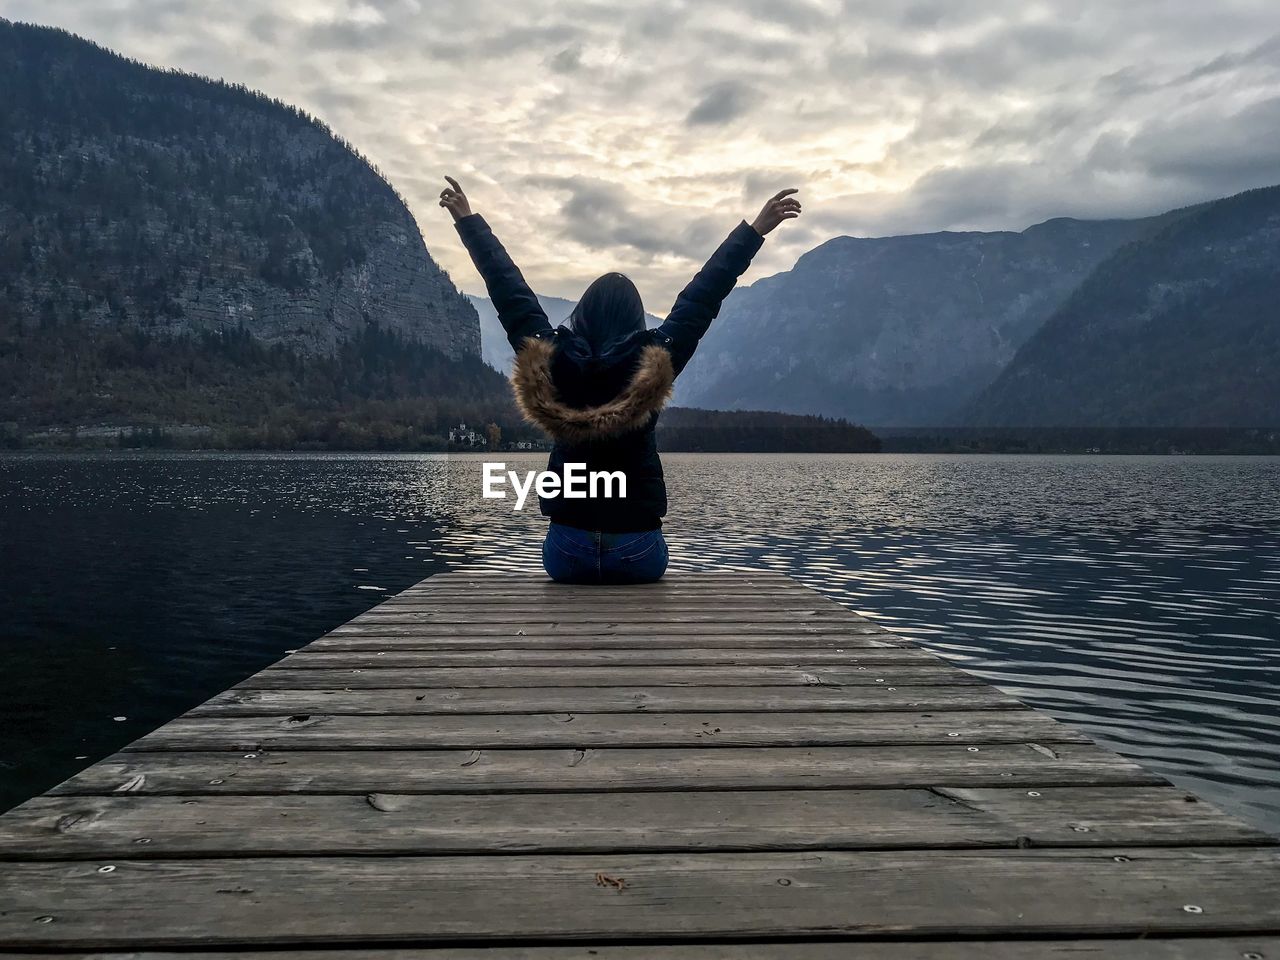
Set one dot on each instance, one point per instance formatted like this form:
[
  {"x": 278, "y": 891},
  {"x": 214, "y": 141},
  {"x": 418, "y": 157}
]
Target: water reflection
[{"x": 1134, "y": 597}]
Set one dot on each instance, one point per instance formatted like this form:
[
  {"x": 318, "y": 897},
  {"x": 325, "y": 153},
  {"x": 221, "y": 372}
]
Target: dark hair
[{"x": 609, "y": 309}]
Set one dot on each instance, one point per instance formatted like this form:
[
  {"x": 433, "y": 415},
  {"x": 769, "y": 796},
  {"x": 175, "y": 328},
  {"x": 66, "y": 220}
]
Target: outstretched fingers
[
  {"x": 781, "y": 206},
  {"x": 452, "y": 193},
  {"x": 453, "y": 199},
  {"x": 784, "y": 205}
]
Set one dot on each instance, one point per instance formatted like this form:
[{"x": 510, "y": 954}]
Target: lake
[{"x": 1136, "y": 598}]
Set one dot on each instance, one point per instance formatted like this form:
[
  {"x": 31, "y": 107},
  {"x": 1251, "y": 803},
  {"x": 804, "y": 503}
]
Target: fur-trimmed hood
[{"x": 536, "y": 395}]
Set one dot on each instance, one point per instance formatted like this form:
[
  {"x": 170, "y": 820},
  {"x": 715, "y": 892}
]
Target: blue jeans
[{"x": 571, "y": 555}]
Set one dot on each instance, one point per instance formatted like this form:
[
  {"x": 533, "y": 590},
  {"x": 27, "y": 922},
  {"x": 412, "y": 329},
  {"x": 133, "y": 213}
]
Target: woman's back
[
  {"x": 603, "y": 412},
  {"x": 596, "y": 384}
]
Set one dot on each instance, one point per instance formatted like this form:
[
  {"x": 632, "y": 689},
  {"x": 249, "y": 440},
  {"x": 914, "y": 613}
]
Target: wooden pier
[{"x": 722, "y": 765}]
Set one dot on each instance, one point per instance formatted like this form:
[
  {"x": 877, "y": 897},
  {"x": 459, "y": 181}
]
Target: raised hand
[
  {"x": 454, "y": 200},
  {"x": 781, "y": 206}
]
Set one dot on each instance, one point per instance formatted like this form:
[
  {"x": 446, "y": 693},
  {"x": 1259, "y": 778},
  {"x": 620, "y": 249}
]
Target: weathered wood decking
[{"x": 718, "y": 766}]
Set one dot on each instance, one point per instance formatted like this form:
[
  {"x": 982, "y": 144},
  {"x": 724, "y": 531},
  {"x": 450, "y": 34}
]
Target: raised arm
[
  {"x": 699, "y": 302},
  {"x": 518, "y": 309}
]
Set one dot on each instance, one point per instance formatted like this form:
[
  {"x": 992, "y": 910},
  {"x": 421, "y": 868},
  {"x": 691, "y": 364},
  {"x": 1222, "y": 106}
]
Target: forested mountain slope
[
  {"x": 176, "y": 251},
  {"x": 1181, "y": 329},
  {"x": 131, "y": 196},
  {"x": 894, "y": 331}
]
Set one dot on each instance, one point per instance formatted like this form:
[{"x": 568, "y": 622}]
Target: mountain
[
  {"x": 494, "y": 348},
  {"x": 133, "y": 197},
  {"x": 894, "y": 331},
  {"x": 190, "y": 262},
  {"x": 1179, "y": 329}
]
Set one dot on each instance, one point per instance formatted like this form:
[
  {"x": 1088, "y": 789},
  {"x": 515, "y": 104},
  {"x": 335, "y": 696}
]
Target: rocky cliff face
[
  {"x": 1179, "y": 329},
  {"x": 894, "y": 331},
  {"x": 396, "y": 285},
  {"x": 137, "y": 198}
]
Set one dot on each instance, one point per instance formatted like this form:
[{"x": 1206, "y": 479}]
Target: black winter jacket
[{"x": 602, "y": 410}]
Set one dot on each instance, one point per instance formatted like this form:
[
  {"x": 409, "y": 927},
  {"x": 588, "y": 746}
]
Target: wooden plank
[
  {"x": 524, "y": 600},
  {"x": 702, "y": 584},
  {"x": 507, "y": 607},
  {"x": 685, "y": 611},
  {"x": 970, "y": 893},
  {"x": 327, "y": 732},
  {"x": 717, "y": 575},
  {"x": 830, "y": 627},
  {"x": 314, "y": 825},
  {"x": 649, "y": 614},
  {"x": 284, "y": 678},
  {"x": 443, "y": 769},
  {"x": 608, "y": 769},
  {"x": 567, "y": 596},
  {"x": 677, "y": 575},
  {"x": 385, "y": 659},
  {"x": 726, "y": 627},
  {"x": 564, "y": 596},
  {"x": 1249, "y": 947},
  {"x": 588, "y": 602},
  {"x": 580, "y": 700},
  {"x": 1173, "y": 817},
  {"x": 411, "y": 638},
  {"x": 674, "y": 578}
]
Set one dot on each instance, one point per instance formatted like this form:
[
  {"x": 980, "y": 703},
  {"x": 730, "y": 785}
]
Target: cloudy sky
[{"x": 628, "y": 135}]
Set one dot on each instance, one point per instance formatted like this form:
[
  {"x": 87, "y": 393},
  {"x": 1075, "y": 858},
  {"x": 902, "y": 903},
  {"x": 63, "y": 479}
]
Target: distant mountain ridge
[
  {"x": 137, "y": 197},
  {"x": 1181, "y": 328},
  {"x": 180, "y": 257},
  {"x": 494, "y": 348},
  {"x": 172, "y": 246},
  {"x": 895, "y": 331}
]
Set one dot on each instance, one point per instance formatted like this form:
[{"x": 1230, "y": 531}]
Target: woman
[{"x": 596, "y": 384}]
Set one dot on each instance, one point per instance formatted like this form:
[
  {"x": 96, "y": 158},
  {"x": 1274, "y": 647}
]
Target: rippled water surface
[{"x": 1136, "y": 598}]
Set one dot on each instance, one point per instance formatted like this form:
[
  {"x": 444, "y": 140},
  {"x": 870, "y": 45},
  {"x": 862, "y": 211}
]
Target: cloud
[
  {"x": 721, "y": 103},
  {"x": 567, "y": 60},
  {"x": 597, "y": 213},
  {"x": 1212, "y": 151},
  {"x": 607, "y": 134},
  {"x": 600, "y": 214},
  {"x": 1266, "y": 54}
]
